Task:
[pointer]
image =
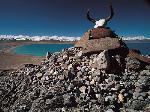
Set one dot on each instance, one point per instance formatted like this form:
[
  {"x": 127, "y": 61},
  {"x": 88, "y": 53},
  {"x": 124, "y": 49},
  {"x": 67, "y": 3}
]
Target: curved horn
[
  {"x": 111, "y": 14},
  {"x": 89, "y": 18}
]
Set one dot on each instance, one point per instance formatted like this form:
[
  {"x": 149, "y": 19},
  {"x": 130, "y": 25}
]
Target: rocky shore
[{"x": 70, "y": 81}]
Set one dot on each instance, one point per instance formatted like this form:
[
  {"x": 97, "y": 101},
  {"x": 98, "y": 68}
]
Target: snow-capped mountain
[
  {"x": 38, "y": 38},
  {"x": 60, "y": 38},
  {"x": 136, "y": 38}
]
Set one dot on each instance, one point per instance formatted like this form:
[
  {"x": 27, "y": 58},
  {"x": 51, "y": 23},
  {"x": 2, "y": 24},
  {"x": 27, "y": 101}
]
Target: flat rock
[
  {"x": 101, "y": 42},
  {"x": 97, "y": 33},
  {"x": 96, "y": 45}
]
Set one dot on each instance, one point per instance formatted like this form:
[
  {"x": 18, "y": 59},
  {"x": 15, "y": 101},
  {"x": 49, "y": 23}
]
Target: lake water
[
  {"x": 143, "y": 47},
  {"x": 42, "y": 49}
]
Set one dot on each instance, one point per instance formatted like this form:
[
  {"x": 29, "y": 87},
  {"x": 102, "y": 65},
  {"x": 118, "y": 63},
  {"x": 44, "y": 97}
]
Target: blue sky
[{"x": 67, "y": 17}]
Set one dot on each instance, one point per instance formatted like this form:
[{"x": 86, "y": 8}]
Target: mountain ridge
[{"x": 60, "y": 38}]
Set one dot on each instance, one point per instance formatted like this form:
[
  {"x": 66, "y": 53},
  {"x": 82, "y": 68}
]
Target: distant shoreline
[
  {"x": 11, "y": 60},
  {"x": 12, "y": 44}
]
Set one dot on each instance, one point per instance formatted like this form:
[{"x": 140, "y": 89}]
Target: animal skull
[{"x": 101, "y": 22}]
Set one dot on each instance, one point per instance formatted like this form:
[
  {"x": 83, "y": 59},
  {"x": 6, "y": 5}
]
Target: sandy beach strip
[{"x": 14, "y": 61}]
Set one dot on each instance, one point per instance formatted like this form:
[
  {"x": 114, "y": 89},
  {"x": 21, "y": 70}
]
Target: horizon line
[{"x": 64, "y": 36}]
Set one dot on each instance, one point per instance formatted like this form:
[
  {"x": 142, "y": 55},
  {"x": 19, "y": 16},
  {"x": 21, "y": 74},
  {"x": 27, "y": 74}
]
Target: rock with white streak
[{"x": 102, "y": 61}]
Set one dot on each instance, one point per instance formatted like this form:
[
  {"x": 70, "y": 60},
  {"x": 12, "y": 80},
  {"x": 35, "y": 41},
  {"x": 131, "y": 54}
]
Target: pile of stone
[{"x": 70, "y": 81}]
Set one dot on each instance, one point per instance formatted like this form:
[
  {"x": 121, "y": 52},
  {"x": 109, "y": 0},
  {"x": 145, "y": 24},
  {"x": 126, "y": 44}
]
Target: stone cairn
[{"x": 97, "y": 75}]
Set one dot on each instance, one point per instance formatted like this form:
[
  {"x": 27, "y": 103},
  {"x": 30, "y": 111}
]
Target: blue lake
[
  {"x": 144, "y": 47},
  {"x": 42, "y": 49}
]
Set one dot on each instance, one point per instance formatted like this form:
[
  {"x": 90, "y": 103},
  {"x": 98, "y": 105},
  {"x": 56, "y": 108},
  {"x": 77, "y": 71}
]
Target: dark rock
[
  {"x": 137, "y": 105},
  {"x": 69, "y": 100},
  {"x": 48, "y": 55},
  {"x": 132, "y": 64}
]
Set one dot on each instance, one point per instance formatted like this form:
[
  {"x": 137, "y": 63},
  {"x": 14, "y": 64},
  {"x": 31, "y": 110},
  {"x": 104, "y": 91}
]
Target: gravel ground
[{"x": 70, "y": 81}]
